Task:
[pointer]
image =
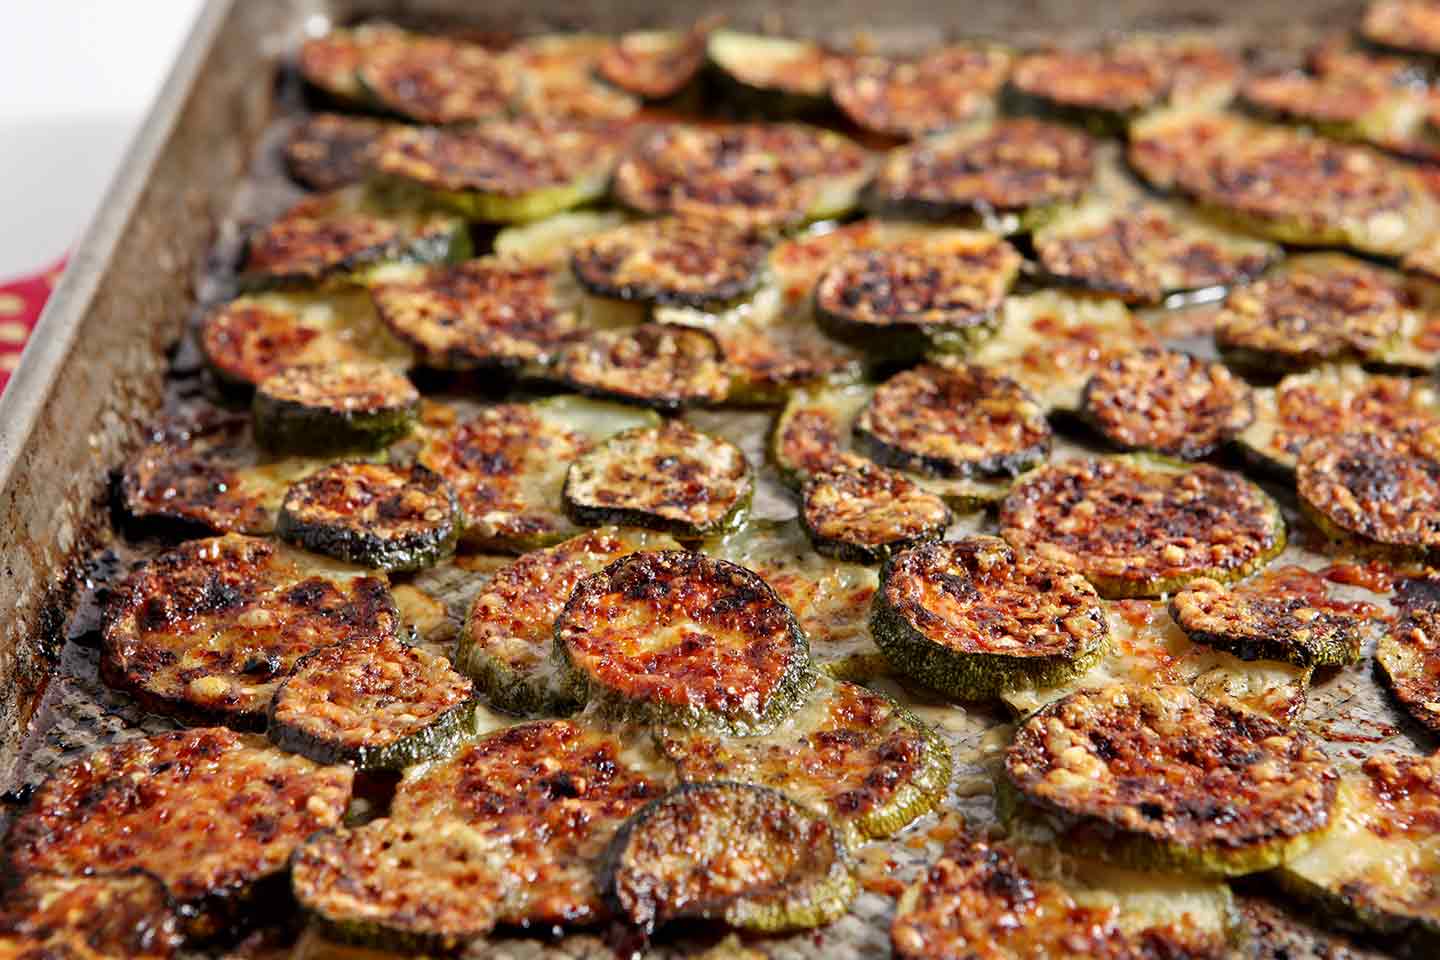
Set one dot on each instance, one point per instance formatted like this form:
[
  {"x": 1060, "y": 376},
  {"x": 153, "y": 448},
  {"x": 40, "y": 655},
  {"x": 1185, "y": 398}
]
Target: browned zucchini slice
[
  {"x": 736, "y": 852},
  {"x": 912, "y": 98},
  {"x": 1373, "y": 490},
  {"x": 555, "y": 792},
  {"x": 559, "y": 79},
  {"x": 210, "y": 628},
  {"x": 494, "y": 311},
  {"x": 161, "y": 802},
  {"x": 333, "y": 408},
  {"x": 1140, "y": 526},
  {"x": 1409, "y": 656},
  {"x": 1158, "y": 777},
  {"x": 1167, "y": 402},
  {"x": 681, "y": 638},
  {"x": 126, "y": 914},
  {"x": 550, "y": 241},
  {"x": 653, "y": 365},
  {"x": 510, "y": 629},
  {"x": 437, "y": 80},
  {"x": 671, "y": 260},
  {"x": 330, "y": 63},
  {"x": 1272, "y": 932},
  {"x": 756, "y": 175},
  {"x": 327, "y": 151},
  {"x": 864, "y": 512},
  {"x": 1407, "y": 26},
  {"x": 856, "y": 756},
  {"x": 671, "y": 477},
  {"x": 1101, "y": 87},
  {"x": 771, "y": 76},
  {"x": 654, "y": 64}
]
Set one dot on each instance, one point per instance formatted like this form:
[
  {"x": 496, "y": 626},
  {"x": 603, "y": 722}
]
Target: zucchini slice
[
  {"x": 855, "y": 756},
  {"x": 771, "y": 76},
  {"x": 670, "y": 261},
  {"x": 558, "y": 79},
  {"x": 211, "y": 628},
  {"x": 550, "y": 241},
  {"x": 507, "y": 464},
  {"x": 1405, "y": 26},
  {"x": 1280, "y": 615},
  {"x": 488, "y": 312},
  {"x": 1272, "y": 932},
  {"x": 682, "y": 857},
  {"x": 437, "y": 80},
  {"x": 1142, "y": 526},
  {"x": 555, "y": 792},
  {"x": 160, "y": 802},
  {"x": 327, "y": 151},
  {"x": 748, "y": 175},
  {"x": 510, "y": 172},
  {"x": 912, "y": 98},
  {"x": 972, "y": 618},
  {"x": 1006, "y": 175},
  {"x": 654, "y": 65},
  {"x": 1409, "y": 656},
  {"x": 333, "y": 238},
  {"x": 373, "y": 515},
  {"x": 333, "y": 408},
  {"x": 1051, "y": 343},
  {"x": 681, "y": 638},
  {"x": 954, "y": 420},
  {"x": 1374, "y": 491},
  {"x": 1167, "y": 402},
  {"x": 330, "y": 63},
  {"x": 1100, "y": 88},
  {"x": 125, "y": 914},
  {"x": 510, "y": 629},
  {"x": 1156, "y": 777},
  {"x": 864, "y": 513},
  {"x": 376, "y": 703},
  {"x": 654, "y": 365},
  {"x": 253, "y": 337},
  {"x": 1377, "y": 867},
  {"x": 671, "y": 477}
]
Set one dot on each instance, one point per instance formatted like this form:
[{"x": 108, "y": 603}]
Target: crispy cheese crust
[
  {"x": 54, "y": 917},
  {"x": 330, "y": 62},
  {"x": 332, "y": 408},
  {"x": 559, "y": 79},
  {"x": 327, "y": 151},
  {"x": 1274, "y": 933},
  {"x": 1409, "y": 656},
  {"x": 654, "y": 65},
  {"x": 911, "y": 98},
  {"x": 1377, "y": 489},
  {"x": 864, "y": 512},
  {"x": 439, "y": 81},
  {"x": 670, "y": 260},
  {"x": 654, "y": 365},
  {"x": 1409, "y": 25},
  {"x": 1116, "y": 81}
]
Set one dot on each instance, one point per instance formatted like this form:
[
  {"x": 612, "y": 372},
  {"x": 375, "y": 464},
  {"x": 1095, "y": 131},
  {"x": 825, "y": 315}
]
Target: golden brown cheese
[
  {"x": 670, "y": 260},
  {"x": 326, "y": 151},
  {"x": 1378, "y": 488},
  {"x": 507, "y": 159},
  {"x": 436, "y": 80},
  {"x": 1274, "y": 933},
  {"x": 341, "y": 388},
  {"x": 911, "y": 98},
  {"x": 1410, "y": 25},
  {"x": 330, "y": 62},
  {"x": 655, "y": 365},
  {"x": 864, "y": 512},
  {"x": 654, "y": 65},
  {"x": 1114, "y": 80},
  {"x": 1409, "y": 656},
  {"x": 54, "y": 917},
  {"x": 558, "y": 79}
]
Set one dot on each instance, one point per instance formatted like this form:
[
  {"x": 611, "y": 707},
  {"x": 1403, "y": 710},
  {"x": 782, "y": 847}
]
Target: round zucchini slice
[
  {"x": 330, "y": 63},
  {"x": 1167, "y": 402},
  {"x": 1409, "y": 656},
  {"x": 954, "y": 420},
  {"x": 1006, "y": 174},
  {"x": 376, "y": 703},
  {"x": 209, "y": 629},
  {"x": 559, "y": 79},
  {"x": 670, "y": 261},
  {"x": 554, "y": 792},
  {"x": 654, "y": 65},
  {"x": 434, "y": 80},
  {"x": 161, "y": 802},
  {"x": 1139, "y": 526},
  {"x": 735, "y": 852},
  {"x": 1160, "y": 778},
  {"x": 550, "y": 241},
  {"x": 654, "y": 365},
  {"x": 671, "y": 477},
  {"x": 489, "y": 312},
  {"x": 864, "y": 513},
  {"x": 1273, "y": 932},
  {"x": 373, "y": 515},
  {"x": 681, "y": 638},
  {"x": 1406, "y": 26},
  {"x": 510, "y": 629},
  {"x": 333, "y": 408},
  {"x": 125, "y": 914},
  {"x": 856, "y": 756},
  {"x": 1100, "y": 88},
  {"x": 911, "y": 98},
  {"x": 327, "y": 151},
  {"x": 1273, "y": 617},
  {"x": 771, "y": 76},
  {"x": 1374, "y": 491},
  {"x": 972, "y": 618}
]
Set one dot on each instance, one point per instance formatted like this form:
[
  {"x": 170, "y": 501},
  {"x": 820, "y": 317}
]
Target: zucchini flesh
[
  {"x": 681, "y": 638},
  {"x": 671, "y": 477},
  {"x": 670, "y": 261},
  {"x": 1409, "y": 656},
  {"x": 434, "y": 80},
  {"x": 328, "y": 151},
  {"x": 1158, "y": 777},
  {"x": 972, "y": 618},
  {"x": 909, "y": 99},
  {"x": 736, "y": 852},
  {"x": 559, "y": 79},
  {"x": 1408, "y": 26},
  {"x": 865, "y": 513},
  {"x": 333, "y": 408},
  {"x": 1376, "y": 491},
  {"x": 549, "y": 241},
  {"x": 330, "y": 62},
  {"x": 510, "y": 629},
  {"x": 125, "y": 914},
  {"x": 376, "y": 703},
  {"x": 211, "y": 628},
  {"x": 775, "y": 76},
  {"x": 855, "y": 756},
  {"x": 654, "y": 64},
  {"x": 1141, "y": 526},
  {"x": 653, "y": 365},
  {"x": 159, "y": 802}
]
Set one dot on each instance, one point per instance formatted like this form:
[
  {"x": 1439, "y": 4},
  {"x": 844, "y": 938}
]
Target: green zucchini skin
[
  {"x": 1266, "y": 620},
  {"x": 333, "y": 409},
  {"x": 867, "y": 513},
  {"x": 1372, "y": 492},
  {"x": 731, "y": 55},
  {"x": 671, "y": 261},
  {"x": 660, "y": 366}
]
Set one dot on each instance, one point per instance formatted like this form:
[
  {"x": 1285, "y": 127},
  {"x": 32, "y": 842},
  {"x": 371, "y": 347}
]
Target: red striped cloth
[{"x": 20, "y": 304}]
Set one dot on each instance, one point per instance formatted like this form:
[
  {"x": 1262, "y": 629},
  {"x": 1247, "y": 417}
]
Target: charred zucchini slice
[
  {"x": 911, "y": 98},
  {"x": 681, "y": 638},
  {"x": 1101, "y": 88},
  {"x": 210, "y": 628},
  {"x": 954, "y": 420},
  {"x": 1007, "y": 174},
  {"x": 510, "y": 629},
  {"x": 125, "y": 914},
  {"x": 554, "y": 792},
  {"x": 1375, "y": 491},
  {"x": 671, "y": 477},
  {"x": 653, "y": 365},
  {"x": 376, "y": 703},
  {"x": 254, "y": 337},
  {"x": 864, "y": 513},
  {"x": 1409, "y": 656},
  {"x": 508, "y": 172},
  {"x": 1139, "y": 526},
  {"x": 1271, "y": 932},
  {"x": 1158, "y": 777},
  {"x": 1167, "y": 402},
  {"x": 328, "y": 151},
  {"x": 437, "y": 80},
  {"x": 334, "y": 408},
  {"x": 160, "y": 802},
  {"x": 489, "y": 312},
  {"x": 670, "y": 261},
  {"x": 558, "y": 74},
  {"x": 1376, "y": 868},
  {"x": 1406, "y": 26},
  {"x": 856, "y": 756},
  {"x": 772, "y": 76},
  {"x": 330, "y": 63},
  {"x": 753, "y": 175},
  {"x": 654, "y": 65},
  {"x": 974, "y": 617}
]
